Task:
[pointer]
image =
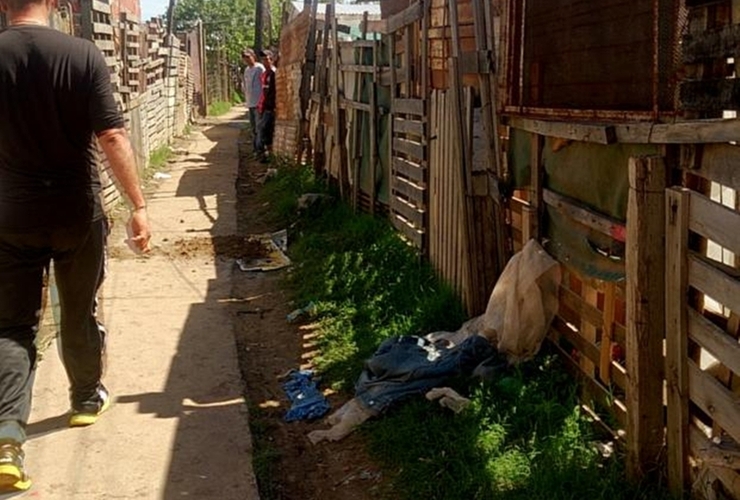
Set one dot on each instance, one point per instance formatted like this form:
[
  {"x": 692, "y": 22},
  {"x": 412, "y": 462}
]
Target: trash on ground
[
  {"x": 309, "y": 199},
  {"x": 343, "y": 421},
  {"x": 448, "y": 398},
  {"x": 520, "y": 310},
  {"x": 161, "y": 176},
  {"x": 277, "y": 244},
  {"x": 281, "y": 239},
  {"x": 308, "y": 310},
  {"x": 307, "y": 401}
]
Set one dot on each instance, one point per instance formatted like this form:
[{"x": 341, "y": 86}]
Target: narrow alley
[{"x": 178, "y": 426}]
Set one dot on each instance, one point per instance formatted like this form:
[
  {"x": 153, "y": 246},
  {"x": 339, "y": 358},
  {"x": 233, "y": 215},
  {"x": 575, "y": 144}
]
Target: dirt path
[
  {"x": 185, "y": 348},
  {"x": 178, "y": 425},
  {"x": 269, "y": 346}
]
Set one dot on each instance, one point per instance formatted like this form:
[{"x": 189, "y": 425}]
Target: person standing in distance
[
  {"x": 266, "y": 108},
  {"x": 252, "y": 88},
  {"x": 55, "y": 98}
]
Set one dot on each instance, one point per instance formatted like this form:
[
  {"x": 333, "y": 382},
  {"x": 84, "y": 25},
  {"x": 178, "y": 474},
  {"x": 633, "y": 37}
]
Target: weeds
[
  {"x": 219, "y": 108},
  {"x": 522, "y": 437}
]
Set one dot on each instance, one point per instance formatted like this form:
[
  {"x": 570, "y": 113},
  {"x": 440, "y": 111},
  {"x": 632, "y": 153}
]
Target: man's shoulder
[{"x": 51, "y": 40}]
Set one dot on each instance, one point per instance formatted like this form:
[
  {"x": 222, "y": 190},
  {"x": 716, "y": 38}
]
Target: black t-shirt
[{"x": 55, "y": 92}]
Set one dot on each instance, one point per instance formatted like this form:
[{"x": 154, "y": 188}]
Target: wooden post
[
  {"x": 645, "y": 263},
  {"x": 319, "y": 160},
  {"x": 374, "y": 128},
  {"x": 308, "y": 69},
  {"x": 336, "y": 111},
  {"x": 392, "y": 64},
  {"x": 676, "y": 288},
  {"x": 536, "y": 184},
  {"x": 466, "y": 187},
  {"x": 607, "y": 333},
  {"x": 485, "y": 44}
]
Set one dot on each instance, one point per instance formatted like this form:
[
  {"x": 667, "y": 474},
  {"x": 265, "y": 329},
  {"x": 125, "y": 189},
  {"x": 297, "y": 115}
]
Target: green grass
[
  {"x": 157, "y": 162},
  {"x": 219, "y": 108},
  {"x": 158, "y": 158},
  {"x": 522, "y": 437}
]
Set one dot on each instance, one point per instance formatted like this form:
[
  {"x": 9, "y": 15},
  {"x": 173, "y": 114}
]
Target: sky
[{"x": 153, "y": 8}]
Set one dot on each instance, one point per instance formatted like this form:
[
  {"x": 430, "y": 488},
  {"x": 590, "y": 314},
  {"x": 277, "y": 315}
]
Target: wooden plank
[
  {"x": 574, "y": 302},
  {"x": 584, "y": 345},
  {"x": 711, "y": 337},
  {"x": 409, "y": 170},
  {"x": 709, "y": 277},
  {"x": 410, "y": 212},
  {"x": 408, "y": 107},
  {"x": 409, "y": 126},
  {"x": 408, "y": 16},
  {"x": 356, "y": 68},
  {"x": 584, "y": 215},
  {"x": 102, "y": 29},
  {"x": 105, "y": 45},
  {"x": 357, "y": 44},
  {"x": 409, "y": 190},
  {"x": 405, "y": 146},
  {"x": 714, "y": 399},
  {"x": 696, "y": 131},
  {"x": 600, "y": 393},
  {"x": 345, "y": 103},
  {"x": 645, "y": 259},
  {"x": 605, "y": 358},
  {"x": 585, "y": 132},
  {"x": 100, "y": 7},
  {"x": 466, "y": 223},
  {"x": 373, "y": 129},
  {"x": 718, "y": 163},
  {"x": 712, "y": 220},
  {"x": 700, "y": 444},
  {"x": 413, "y": 234},
  {"x": 676, "y": 248}
]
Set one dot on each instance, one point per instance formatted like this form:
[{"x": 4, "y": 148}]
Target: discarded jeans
[
  {"x": 307, "y": 401},
  {"x": 406, "y": 366}
]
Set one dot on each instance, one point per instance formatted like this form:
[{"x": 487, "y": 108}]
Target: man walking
[
  {"x": 252, "y": 88},
  {"x": 55, "y": 94},
  {"x": 266, "y": 108}
]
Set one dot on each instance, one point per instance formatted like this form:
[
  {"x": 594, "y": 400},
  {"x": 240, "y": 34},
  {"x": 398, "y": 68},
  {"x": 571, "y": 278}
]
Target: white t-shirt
[{"x": 252, "y": 84}]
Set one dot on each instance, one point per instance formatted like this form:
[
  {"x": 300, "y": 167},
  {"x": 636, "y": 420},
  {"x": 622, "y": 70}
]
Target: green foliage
[
  {"x": 159, "y": 157},
  {"x": 219, "y": 108},
  {"x": 157, "y": 162},
  {"x": 228, "y": 24},
  {"x": 522, "y": 438}
]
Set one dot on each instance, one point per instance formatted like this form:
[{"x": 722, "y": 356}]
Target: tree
[{"x": 228, "y": 24}]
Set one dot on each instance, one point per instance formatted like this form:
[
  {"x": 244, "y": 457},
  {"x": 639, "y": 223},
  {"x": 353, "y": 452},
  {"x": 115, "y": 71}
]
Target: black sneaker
[
  {"x": 12, "y": 471},
  {"x": 88, "y": 412}
]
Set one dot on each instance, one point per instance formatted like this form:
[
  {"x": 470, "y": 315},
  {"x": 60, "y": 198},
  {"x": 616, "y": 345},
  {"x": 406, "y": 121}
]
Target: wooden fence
[
  {"x": 669, "y": 127},
  {"x": 381, "y": 119},
  {"x": 595, "y": 126}
]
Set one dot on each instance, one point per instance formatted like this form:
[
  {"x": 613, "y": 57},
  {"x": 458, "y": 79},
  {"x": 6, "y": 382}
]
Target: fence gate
[{"x": 409, "y": 171}]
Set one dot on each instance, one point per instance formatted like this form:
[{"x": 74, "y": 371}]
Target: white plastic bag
[{"x": 523, "y": 303}]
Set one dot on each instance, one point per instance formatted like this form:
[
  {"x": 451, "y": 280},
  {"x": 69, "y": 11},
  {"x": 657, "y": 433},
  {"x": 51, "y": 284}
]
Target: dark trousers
[
  {"x": 265, "y": 131},
  {"x": 253, "y": 123},
  {"x": 78, "y": 254}
]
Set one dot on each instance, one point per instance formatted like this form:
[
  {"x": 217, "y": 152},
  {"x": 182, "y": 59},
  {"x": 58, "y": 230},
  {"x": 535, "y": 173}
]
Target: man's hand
[{"x": 139, "y": 231}]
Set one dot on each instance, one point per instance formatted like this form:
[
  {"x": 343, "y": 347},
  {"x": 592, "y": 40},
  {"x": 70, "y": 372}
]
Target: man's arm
[{"x": 117, "y": 148}]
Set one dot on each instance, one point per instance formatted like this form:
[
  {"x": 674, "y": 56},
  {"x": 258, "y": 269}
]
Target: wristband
[{"x": 136, "y": 209}]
